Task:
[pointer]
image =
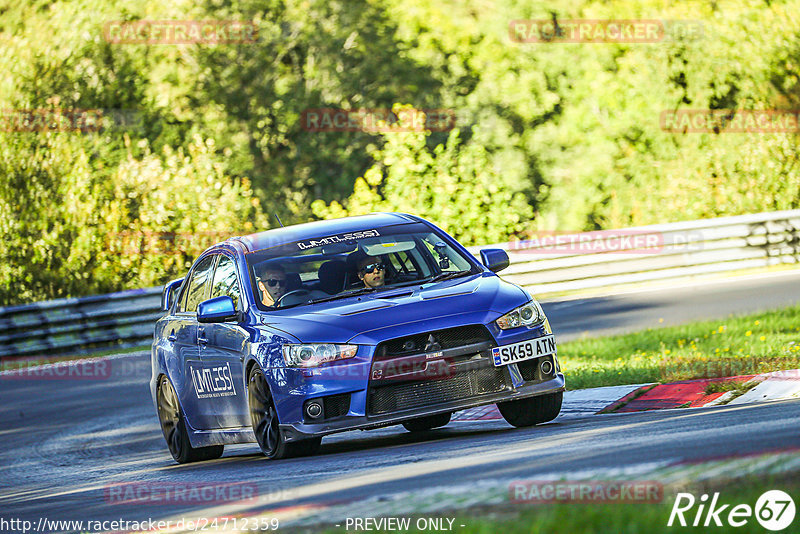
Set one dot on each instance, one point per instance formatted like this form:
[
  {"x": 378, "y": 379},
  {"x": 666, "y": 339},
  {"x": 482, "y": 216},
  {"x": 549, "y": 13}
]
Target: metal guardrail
[
  {"x": 549, "y": 264},
  {"x": 552, "y": 263},
  {"x": 63, "y": 326}
]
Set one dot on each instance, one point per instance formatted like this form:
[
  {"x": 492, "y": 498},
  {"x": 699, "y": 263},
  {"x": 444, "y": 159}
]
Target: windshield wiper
[
  {"x": 364, "y": 290},
  {"x": 447, "y": 276},
  {"x": 351, "y": 293}
]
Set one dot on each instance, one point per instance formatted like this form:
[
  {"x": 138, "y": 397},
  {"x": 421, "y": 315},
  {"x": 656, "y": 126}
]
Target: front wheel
[
  {"x": 427, "y": 423},
  {"x": 266, "y": 425},
  {"x": 531, "y": 411},
  {"x": 173, "y": 426}
]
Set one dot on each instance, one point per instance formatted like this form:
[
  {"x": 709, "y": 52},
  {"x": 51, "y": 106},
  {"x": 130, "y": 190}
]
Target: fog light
[
  {"x": 546, "y": 367},
  {"x": 313, "y": 409}
]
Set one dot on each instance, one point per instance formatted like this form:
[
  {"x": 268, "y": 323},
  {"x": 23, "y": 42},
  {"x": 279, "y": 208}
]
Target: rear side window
[
  {"x": 226, "y": 282},
  {"x": 198, "y": 284}
]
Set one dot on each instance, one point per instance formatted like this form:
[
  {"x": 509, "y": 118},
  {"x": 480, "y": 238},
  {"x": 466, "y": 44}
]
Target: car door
[
  {"x": 222, "y": 349},
  {"x": 184, "y": 332}
]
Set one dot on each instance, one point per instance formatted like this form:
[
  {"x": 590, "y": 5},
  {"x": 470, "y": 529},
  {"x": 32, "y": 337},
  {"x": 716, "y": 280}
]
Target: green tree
[{"x": 454, "y": 185}]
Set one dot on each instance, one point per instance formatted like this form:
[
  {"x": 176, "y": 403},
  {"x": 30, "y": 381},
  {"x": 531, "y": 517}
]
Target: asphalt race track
[{"x": 66, "y": 442}]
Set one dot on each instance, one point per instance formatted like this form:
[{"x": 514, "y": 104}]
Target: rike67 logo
[{"x": 774, "y": 510}]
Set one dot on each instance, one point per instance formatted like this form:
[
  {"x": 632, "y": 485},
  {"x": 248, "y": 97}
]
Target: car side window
[
  {"x": 198, "y": 284},
  {"x": 226, "y": 283}
]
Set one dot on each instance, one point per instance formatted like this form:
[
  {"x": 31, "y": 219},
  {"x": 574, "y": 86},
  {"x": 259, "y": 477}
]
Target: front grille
[
  {"x": 410, "y": 395},
  {"x": 336, "y": 405},
  {"x": 448, "y": 338}
]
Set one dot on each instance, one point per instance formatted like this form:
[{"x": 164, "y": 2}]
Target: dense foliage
[{"x": 549, "y": 135}]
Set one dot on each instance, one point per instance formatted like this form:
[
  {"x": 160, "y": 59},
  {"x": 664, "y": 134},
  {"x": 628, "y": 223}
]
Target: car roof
[{"x": 317, "y": 229}]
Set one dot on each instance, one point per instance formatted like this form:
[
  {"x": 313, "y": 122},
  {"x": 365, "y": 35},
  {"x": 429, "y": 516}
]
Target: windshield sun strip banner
[{"x": 338, "y": 238}]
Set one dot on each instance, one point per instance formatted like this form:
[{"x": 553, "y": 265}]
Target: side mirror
[
  {"x": 495, "y": 259},
  {"x": 217, "y": 310},
  {"x": 169, "y": 293}
]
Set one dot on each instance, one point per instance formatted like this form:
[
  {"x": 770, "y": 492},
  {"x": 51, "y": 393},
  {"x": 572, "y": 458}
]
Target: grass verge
[
  {"x": 738, "y": 345},
  {"x": 634, "y": 518},
  {"x": 644, "y": 518}
]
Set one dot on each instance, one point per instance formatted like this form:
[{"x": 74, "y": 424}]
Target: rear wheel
[
  {"x": 531, "y": 411},
  {"x": 266, "y": 425},
  {"x": 427, "y": 423},
  {"x": 173, "y": 425}
]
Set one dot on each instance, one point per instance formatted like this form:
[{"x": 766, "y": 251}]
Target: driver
[{"x": 273, "y": 284}]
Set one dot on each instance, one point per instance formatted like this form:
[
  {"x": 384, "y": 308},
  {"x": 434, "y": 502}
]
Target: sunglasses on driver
[{"x": 369, "y": 269}]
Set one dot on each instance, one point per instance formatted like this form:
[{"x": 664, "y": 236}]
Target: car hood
[{"x": 371, "y": 318}]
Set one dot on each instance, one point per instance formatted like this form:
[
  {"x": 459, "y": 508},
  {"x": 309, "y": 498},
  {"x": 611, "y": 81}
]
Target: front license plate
[{"x": 525, "y": 350}]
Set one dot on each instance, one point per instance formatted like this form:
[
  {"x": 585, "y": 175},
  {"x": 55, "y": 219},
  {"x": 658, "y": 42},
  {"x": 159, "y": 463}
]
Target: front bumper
[{"x": 302, "y": 430}]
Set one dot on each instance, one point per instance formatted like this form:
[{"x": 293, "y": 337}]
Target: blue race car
[{"x": 288, "y": 335}]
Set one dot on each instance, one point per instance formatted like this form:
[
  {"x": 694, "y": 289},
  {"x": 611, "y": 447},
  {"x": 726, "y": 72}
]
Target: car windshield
[{"x": 337, "y": 266}]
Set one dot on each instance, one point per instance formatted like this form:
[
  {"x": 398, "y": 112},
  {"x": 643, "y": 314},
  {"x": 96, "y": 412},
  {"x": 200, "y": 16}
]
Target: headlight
[
  {"x": 529, "y": 314},
  {"x": 313, "y": 355}
]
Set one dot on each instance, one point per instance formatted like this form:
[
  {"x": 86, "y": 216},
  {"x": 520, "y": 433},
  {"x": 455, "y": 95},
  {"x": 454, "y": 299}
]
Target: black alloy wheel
[
  {"x": 173, "y": 426},
  {"x": 266, "y": 426}
]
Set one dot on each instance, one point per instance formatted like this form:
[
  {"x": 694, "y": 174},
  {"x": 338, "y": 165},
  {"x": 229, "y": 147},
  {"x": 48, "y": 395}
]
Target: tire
[
  {"x": 173, "y": 426},
  {"x": 531, "y": 411},
  {"x": 266, "y": 426},
  {"x": 427, "y": 423}
]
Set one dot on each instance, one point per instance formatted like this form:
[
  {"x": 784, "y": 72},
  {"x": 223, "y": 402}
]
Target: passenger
[
  {"x": 273, "y": 284},
  {"x": 372, "y": 271}
]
